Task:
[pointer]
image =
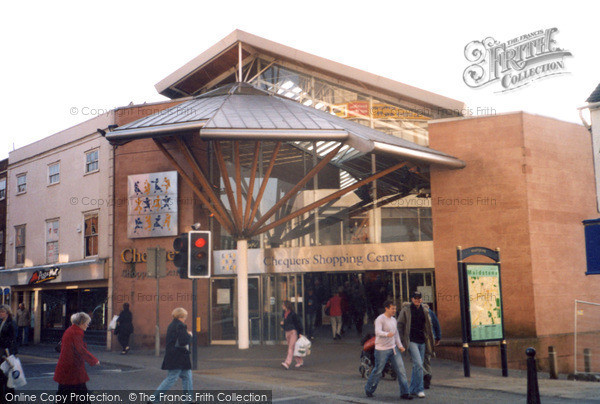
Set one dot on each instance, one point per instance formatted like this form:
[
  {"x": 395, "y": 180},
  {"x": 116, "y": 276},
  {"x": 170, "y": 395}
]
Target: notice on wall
[
  {"x": 152, "y": 205},
  {"x": 485, "y": 301}
]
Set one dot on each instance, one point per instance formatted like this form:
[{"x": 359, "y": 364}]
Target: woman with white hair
[
  {"x": 177, "y": 355},
  {"x": 70, "y": 371}
]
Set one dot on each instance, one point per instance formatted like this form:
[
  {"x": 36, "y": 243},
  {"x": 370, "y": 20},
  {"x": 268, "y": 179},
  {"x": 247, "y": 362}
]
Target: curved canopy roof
[{"x": 240, "y": 111}]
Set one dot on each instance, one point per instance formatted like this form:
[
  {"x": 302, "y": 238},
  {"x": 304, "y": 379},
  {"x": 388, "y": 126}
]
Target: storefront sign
[
  {"x": 152, "y": 205},
  {"x": 44, "y": 275},
  {"x": 132, "y": 255},
  {"x": 357, "y": 109},
  {"x": 352, "y": 257}
]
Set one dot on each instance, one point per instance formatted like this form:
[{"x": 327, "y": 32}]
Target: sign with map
[
  {"x": 152, "y": 205},
  {"x": 484, "y": 297}
]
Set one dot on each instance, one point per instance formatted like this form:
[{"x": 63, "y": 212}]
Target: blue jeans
[
  {"x": 23, "y": 337},
  {"x": 417, "y": 354},
  {"x": 186, "y": 381},
  {"x": 381, "y": 358},
  {"x": 310, "y": 323}
]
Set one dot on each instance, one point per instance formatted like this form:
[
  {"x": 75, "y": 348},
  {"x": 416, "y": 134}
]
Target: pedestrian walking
[
  {"x": 23, "y": 324},
  {"x": 177, "y": 355},
  {"x": 335, "y": 315},
  {"x": 70, "y": 373},
  {"x": 124, "y": 328},
  {"x": 8, "y": 340},
  {"x": 414, "y": 325},
  {"x": 437, "y": 335},
  {"x": 312, "y": 306},
  {"x": 388, "y": 346},
  {"x": 293, "y": 328}
]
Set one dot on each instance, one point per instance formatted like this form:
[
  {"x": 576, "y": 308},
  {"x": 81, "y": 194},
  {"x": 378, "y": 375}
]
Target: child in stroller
[{"x": 367, "y": 359}]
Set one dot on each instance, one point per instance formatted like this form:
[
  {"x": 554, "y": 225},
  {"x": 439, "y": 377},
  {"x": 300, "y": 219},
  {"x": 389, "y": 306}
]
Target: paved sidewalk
[{"x": 333, "y": 368}]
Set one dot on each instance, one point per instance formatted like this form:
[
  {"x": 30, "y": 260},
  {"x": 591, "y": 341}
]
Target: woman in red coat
[{"x": 70, "y": 371}]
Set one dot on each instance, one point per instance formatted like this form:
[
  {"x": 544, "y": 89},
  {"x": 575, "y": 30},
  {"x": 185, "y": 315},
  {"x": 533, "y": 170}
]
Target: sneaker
[
  {"x": 299, "y": 365},
  {"x": 368, "y": 393},
  {"x": 285, "y": 365},
  {"x": 406, "y": 397},
  {"x": 421, "y": 394}
]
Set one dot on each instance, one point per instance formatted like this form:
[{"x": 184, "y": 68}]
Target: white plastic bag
[
  {"x": 113, "y": 323},
  {"x": 14, "y": 371},
  {"x": 302, "y": 347}
]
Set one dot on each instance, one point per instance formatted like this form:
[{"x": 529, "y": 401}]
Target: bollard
[
  {"x": 587, "y": 360},
  {"x": 553, "y": 363},
  {"x": 533, "y": 391}
]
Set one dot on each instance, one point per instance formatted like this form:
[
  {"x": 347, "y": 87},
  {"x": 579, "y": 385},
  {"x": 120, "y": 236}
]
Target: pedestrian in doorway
[
  {"x": 414, "y": 325},
  {"x": 70, "y": 373},
  {"x": 335, "y": 314},
  {"x": 124, "y": 328},
  {"x": 177, "y": 355},
  {"x": 437, "y": 335},
  {"x": 388, "y": 346},
  {"x": 312, "y": 305},
  {"x": 321, "y": 299},
  {"x": 359, "y": 308},
  {"x": 293, "y": 328},
  {"x": 8, "y": 340},
  {"x": 23, "y": 324}
]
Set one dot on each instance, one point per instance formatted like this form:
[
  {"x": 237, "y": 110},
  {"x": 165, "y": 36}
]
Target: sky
[{"x": 64, "y": 61}]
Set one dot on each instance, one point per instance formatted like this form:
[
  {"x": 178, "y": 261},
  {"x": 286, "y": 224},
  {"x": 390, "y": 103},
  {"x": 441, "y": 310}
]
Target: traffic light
[
  {"x": 200, "y": 252},
  {"x": 180, "y": 245}
]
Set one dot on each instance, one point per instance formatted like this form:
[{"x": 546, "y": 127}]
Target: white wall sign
[{"x": 152, "y": 205}]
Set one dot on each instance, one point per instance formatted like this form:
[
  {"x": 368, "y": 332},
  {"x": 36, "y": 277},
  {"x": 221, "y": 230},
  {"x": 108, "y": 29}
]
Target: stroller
[{"x": 367, "y": 359}]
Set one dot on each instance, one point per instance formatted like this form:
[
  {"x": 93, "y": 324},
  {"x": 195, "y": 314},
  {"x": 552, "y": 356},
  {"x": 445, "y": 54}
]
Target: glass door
[
  {"x": 270, "y": 325},
  {"x": 254, "y": 309},
  {"x": 223, "y": 315}
]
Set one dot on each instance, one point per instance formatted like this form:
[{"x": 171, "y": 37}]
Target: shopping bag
[
  {"x": 13, "y": 369},
  {"x": 113, "y": 323},
  {"x": 302, "y": 347}
]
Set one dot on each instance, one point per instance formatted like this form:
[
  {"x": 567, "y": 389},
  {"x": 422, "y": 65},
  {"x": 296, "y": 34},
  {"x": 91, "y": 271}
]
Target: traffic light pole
[{"x": 194, "y": 326}]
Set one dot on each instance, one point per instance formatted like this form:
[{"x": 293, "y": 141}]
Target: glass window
[
  {"x": 20, "y": 244},
  {"x": 91, "y": 161},
  {"x": 52, "y": 241},
  {"x": 21, "y": 183},
  {"x": 1, "y": 242},
  {"x": 54, "y": 173},
  {"x": 91, "y": 235},
  {"x": 2, "y": 188}
]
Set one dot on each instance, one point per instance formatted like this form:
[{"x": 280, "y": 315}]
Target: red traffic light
[{"x": 200, "y": 242}]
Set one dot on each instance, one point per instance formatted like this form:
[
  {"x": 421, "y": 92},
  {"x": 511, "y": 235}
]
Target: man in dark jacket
[
  {"x": 177, "y": 356},
  {"x": 414, "y": 326}
]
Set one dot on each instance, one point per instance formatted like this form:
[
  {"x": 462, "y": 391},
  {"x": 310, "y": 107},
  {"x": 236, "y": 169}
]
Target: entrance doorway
[{"x": 266, "y": 294}]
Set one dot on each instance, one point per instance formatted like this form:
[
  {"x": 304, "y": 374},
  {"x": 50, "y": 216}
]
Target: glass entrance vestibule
[{"x": 267, "y": 292}]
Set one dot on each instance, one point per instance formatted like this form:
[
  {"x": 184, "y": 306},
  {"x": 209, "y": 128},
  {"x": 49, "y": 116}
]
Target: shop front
[
  {"x": 54, "y": 292},
  {"x": 376, "y": 271}
]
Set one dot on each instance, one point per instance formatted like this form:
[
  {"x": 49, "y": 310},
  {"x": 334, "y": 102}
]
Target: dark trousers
[
  {"x": 123, "y": 339},
  {"x": 66, "y": 390}
]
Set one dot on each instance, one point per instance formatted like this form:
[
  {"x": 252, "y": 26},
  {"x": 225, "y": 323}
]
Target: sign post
[
  {"x": 482, "y": 314},
  {"x": 156, "y": 267}
]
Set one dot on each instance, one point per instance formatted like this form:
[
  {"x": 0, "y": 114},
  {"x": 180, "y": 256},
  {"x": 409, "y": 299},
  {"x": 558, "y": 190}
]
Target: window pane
[{"x": 91, "y": 161}]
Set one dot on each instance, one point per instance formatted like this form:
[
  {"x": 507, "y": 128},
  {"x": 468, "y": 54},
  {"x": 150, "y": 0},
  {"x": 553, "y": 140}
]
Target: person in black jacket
[
  {"x": 8, "y": 341},
  {"x": 124, "y": 328},
  {"x": 177, "y": 355},
  {"x": 293, "y": 328}
]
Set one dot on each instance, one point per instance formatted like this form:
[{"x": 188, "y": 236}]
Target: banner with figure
[{"x": 152, "y": 205}]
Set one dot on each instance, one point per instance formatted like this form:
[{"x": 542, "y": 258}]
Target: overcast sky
[{"x": 61, "y": 56}]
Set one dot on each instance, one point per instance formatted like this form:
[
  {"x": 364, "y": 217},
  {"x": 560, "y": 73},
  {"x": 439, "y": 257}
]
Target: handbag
[
  {"x": 326, "y": 311},
  {"x": 302, "y": 346},
  {"x": 13, "y": 370},
  {"x": 113, "y": 323}
]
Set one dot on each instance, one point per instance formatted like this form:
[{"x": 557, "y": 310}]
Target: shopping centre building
[{"x": 315, "y": 175}]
